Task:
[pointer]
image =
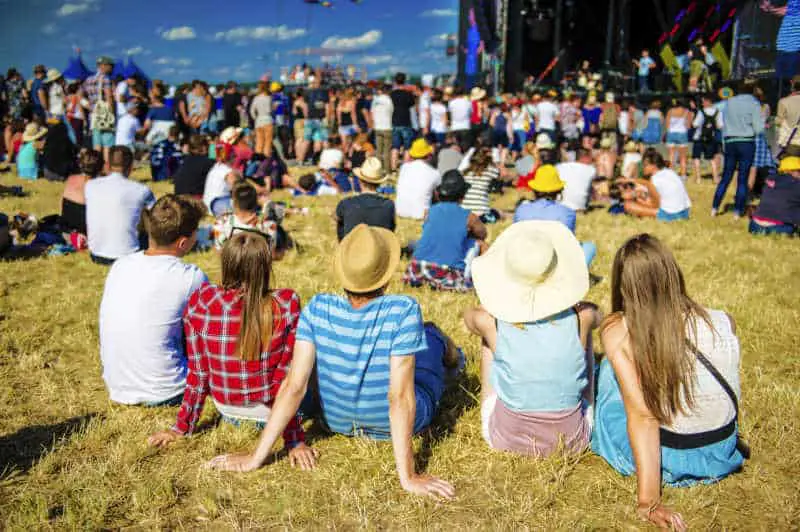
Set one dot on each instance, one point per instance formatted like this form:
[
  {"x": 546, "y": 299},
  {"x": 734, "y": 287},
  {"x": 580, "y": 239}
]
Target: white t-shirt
[
  {"x": 631, "y": 158},
  {"x": 121, "y": 91},
  {"x": 141, "y": 327},
  {"x": 424, "y": 109},
  {"x": 127, "y": 126},
  {"x": 546, "y": 113},
  {"x": 460, "y": 113},
  {"x": 55, "y": 99},
  {"x": 577, "y": 178},
  {"x": 114, "y": 205},
  {"x": 671, "y": 190},
  {"x": 438, "y": 117},
  {"x": 382, "y": 110},
  {"x": 216, "y": 184},
  {"x": 331, "y": 158},
  {"x": 415, "y": 186}
]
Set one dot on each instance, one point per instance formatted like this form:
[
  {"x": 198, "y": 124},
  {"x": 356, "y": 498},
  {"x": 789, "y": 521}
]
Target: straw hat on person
[
  {"x": 790, "y": 164},
  {"x": 366, "y": 259},
  {"x": 606, "y": 143},
  {"x": 631, "y": 146},
  {"x": 33, "y": 132},
  {"x": 230, "y": 135},
  {"x": 53, "y": 75},
  {"x": 544, "y": 142},
  {"x": 477, "y": 93},
  {"x": 546, "y": 180},
  {"x": 420, "y": 149},
  {"x": 371, "y": 171},
  {"x": 534, "y": 269}
]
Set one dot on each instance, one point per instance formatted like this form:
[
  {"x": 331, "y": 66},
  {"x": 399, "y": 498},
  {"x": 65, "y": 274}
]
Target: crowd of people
[{"x": 365, "y": 362}]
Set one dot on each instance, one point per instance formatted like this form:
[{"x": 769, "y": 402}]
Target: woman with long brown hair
[
  {"x": 261, "y": 113},
  {"x": 241, "y": 328},
  {"x": 667, "y": 391},
  {"x": 347, "y": 118}
]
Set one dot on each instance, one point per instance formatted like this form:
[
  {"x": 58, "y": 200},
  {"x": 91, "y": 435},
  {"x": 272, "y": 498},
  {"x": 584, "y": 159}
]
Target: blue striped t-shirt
[{"x": 353, "y": 349}]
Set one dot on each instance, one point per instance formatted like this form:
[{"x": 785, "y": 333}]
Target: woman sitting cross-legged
[
  {"x": 380, "y": 370},
  {"x": 536, "y": 354},
  {"x": 667, "y": 391},
  {"x": 664, "y": 194},
  {"x": 240, "y": 338},
  {"x": 451, "y": 237}
]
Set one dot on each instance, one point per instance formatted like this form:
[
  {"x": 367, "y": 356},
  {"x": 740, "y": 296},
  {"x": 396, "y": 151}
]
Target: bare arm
[{"x": 476, "y": 227}]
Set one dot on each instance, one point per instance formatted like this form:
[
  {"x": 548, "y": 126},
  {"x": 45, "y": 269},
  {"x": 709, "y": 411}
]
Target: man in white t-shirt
[
  {"x": 424, "y": 104},
  {"x": 141, "y": 313},
  {"x": 114, "y": 205},
  {"x": 416, "y": 182},
  {"x": 547, "y": 113},
  {"x": 128, "y": 125},
  {"x": 460, "y": 113},
  {"x": 121, "y": 94},
  {"x": 666, "y": 198},
  {"x": 577, "y": 178},
  {"x": 382, "y": 109}
]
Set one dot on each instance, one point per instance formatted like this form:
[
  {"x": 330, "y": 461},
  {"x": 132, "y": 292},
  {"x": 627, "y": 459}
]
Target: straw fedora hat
[
  {"x": 533, "y": 270},
  {"x": 544, "y": 142},
  {"x": 371, "y": 171},
  {"x": 477, "y": 93},
  {"x": 33, "y": 132},
  {"x": 366, "y": 259},
  {"x": 52, "y": 75},
  {"x": 420, "y": 149}
]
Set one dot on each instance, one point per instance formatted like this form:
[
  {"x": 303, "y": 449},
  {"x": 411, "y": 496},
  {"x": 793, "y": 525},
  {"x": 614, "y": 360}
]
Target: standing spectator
[
  {"x": 644, "y": 66},
  {"x": 460, "y": 109},
  {"x": 763, "y": 159},
  {"x": 787, "y": 119},
  {"x": 77, "y": 111},
  {"x": 402, "y": 132},
  {"x": 299, "y": 114},
  {"x": 382, "y": 111},
  {"x": 261, "y": 113},
  {"x": 707, "y": 127},
  {"x": 99, "y": 93},
  {"x": 114, "y": 205},
  {"x": 15, "y": 100},
  {"x": 347, "y": 118},
  {"x": 232, "y": 106},
  {"x": 438, "y": 119},
  {"x": 547, "y": 116},
  {"x": 160, "y": 119},
  {"x": 320, "y": 114},
  {"x": 39, "y": 93},
  {"x": 56, "y": 96},
  {"x": 678, "y": 121},
  {"x": 742, "y": 123},
  {"x": 281, "y": 109}
]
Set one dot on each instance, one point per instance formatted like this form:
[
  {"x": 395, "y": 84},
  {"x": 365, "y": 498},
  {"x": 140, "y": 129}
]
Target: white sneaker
[{"x": 714, "y": 212}]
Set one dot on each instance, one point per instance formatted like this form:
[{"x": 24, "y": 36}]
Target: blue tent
[
  {"x": 118, "y": 71},
  {"x": 76, "y": 69},
  {"x": 132, "y": 70}
]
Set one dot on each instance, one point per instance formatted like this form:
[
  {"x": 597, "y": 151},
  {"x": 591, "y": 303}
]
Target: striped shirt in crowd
[
  {"x": 477, "y": 198},
  {"x": 353, "y": 348}
]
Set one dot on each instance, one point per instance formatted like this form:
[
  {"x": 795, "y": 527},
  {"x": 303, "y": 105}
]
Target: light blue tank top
[{"x": 540, "y": 367}]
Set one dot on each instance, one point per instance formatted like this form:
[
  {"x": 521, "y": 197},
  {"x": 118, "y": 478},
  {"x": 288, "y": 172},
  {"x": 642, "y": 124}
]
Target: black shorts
[{"x": 705, "y": 150}]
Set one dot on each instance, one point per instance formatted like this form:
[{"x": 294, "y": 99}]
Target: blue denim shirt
[
  {"x": 545, "y": 209},
  {"x": 742, "y": 117}
]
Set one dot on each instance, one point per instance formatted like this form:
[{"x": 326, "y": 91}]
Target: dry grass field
[{"x": 69, "y": 459}]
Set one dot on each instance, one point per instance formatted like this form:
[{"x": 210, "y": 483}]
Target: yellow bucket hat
[
  {"x": 790, "y": 164},
  {"x": 420, "y": 149},
  {"x": 546, "y": 180}
]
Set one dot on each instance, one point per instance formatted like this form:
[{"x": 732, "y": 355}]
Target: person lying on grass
[
  {"x": 668, "y": 387},
  {"x": 536, "y": 354},
  {"x": 246, "y": 329},
  {"x": 665, "y": 199},
  {"x": 451, "y": 237},
  {"x": 141, "y": 342},
  {"x": 380, "y": 370}
]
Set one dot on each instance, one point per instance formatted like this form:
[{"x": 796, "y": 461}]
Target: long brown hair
[
  {"x": 648, "y": 289},
  {"x": 481, "y": 160},
  {"x": 247, "y": 267}
]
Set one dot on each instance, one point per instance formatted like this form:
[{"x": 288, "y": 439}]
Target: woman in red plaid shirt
[{"x": 227, "y": 328}]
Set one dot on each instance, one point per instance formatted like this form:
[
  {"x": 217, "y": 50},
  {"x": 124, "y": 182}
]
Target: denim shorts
[
  {"x": 783, "y": 229},
  {"x": 347, "y": 131},
  {"x": 672, "y": 217},
  {"x": 402, "y": 137},
  {"x": 677, "y": 139},
  {"x": 314, "y": 130},
  {"x": 104, "y": 139}
]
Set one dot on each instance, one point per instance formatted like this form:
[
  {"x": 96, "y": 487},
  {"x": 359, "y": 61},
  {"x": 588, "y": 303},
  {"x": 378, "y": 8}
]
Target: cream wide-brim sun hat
[{"x": 533, "y": 270}]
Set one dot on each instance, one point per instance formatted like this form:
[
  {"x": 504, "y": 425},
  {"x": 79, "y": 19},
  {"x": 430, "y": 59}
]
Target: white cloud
[
  {"x": 180, "y": 33},
  {"x": 136, "y": 50},
  {"x": 260, "y": 33},
  {"x": 72, "y": 9},
  {"x": 167, "y": 71},
  {"x": 349, "y": 44},
  {"x": 436, "y": 41},
  {"x": 49, "y": 29},
  {"x": 221, "y": 71},
  {"x": 336, "y": 58},
  {"x": 375, "y": 59},
  {"x": 181, "y": 62},
  {"x": 439, "y": 13}
]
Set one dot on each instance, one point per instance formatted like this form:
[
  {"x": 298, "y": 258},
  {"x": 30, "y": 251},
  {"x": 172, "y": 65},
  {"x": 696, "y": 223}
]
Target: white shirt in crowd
[
  {"x": 519, "y": 119},
  {"x": 415, "y": 186},
  {"x": 114, "y": 205},
  {"x": 424, "y": 109},
  {"x": 438, "y": 117},
  {"x": 217, "y": 185},
  {"x": 56, "y": 100},
  {"x": 671, "y": 190},
  {"x": 577, "y": 178},
  {"x": 127, "y": 126},
  {"x": 331, "y": 158},
  {"x": 546, "y": 115},
  {"x": 121, "y": 93},
  {"x": 460, "y": 112},
  {"x": 382, "y": 110},
  {"x": 141, "y": 327}
]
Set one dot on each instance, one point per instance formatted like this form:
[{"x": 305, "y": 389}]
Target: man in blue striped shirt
[{"x": 381, "y": 371}]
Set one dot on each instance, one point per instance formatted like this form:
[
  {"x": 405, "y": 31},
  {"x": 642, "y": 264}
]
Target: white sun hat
[{"x": 533, "y": 270}]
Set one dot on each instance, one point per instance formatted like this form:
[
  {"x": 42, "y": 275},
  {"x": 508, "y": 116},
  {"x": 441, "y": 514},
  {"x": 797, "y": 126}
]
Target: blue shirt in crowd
[
  {"x": 545, "y": 209},
  {"x": 444, "y": 236},
  {"x": 644, "y": 65},
  {"x": 742, "y": 117}
]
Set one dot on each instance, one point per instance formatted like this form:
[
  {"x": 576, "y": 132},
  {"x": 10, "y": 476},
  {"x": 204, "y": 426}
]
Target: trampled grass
[{"x": 69, "y": 459}]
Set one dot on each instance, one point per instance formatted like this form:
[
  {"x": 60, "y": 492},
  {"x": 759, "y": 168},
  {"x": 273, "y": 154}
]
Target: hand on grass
[
  {"x": 429, "y": 486},
  {"x": 163, "y": 438},
  {"x": 662, "y": 517},
  {"x": 304, "y": 457},
  {"x": 238, "y": 462}
]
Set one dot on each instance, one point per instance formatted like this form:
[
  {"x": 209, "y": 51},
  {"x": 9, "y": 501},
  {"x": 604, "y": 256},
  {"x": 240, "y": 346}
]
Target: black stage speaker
[{"x": 540, "y": 29}]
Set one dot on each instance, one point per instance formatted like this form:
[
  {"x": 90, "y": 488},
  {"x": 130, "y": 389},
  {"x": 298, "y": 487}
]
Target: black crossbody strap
[{"x": 718, "y": 376}]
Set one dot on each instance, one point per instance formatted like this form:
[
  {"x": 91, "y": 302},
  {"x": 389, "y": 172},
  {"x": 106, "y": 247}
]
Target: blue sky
[{"x": 218, "y": 40}]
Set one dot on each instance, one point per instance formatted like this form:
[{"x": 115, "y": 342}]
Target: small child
[
  {"x": 632, "y": 160},
  {"x": 166, "y": 157},
  {"x": 28, "y": 157}
]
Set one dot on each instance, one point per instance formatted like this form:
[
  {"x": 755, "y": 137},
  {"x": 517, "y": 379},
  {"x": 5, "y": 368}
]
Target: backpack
[
  {"x": 708, "y": 132},
  {"x": 608, "y": 120}
]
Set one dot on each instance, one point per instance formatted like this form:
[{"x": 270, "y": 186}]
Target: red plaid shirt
[{"x": 211, "y": 324}]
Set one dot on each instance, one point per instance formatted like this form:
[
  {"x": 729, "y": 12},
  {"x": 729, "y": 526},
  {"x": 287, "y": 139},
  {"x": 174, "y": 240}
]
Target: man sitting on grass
[
  {"x": 369, "y": 207},
  {"x": 365, "y": 344},
  {"x": 141, "y": 327}
]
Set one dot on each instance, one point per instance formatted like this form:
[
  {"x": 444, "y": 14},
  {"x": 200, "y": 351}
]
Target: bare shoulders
[{"x": 614, "y": 336}]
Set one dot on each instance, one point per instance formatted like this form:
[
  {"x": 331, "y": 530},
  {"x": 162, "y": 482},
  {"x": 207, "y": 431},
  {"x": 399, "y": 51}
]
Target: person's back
[
  {"x": 742, "y": 117},
  {"x": 545, "y": 209},
  {"x": 415, "y": 186},
  {"x": 382, "y": 109},
  {"x": 445, "y": 240},
  {"x": 780, "y": 201},
  {"x": 477, "y": 198},
  {"x": 460, "y": 113},
  {"x": 577, "y": 179},
  {"x": 368, "y": 208},
  {"x": 114, "y": 205},
  {"x": 672, "y": 191},
  {"x": 190, "y": 178},
  {"x": 449, "y": 159},
  {"x": 354, "y": 348}
]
